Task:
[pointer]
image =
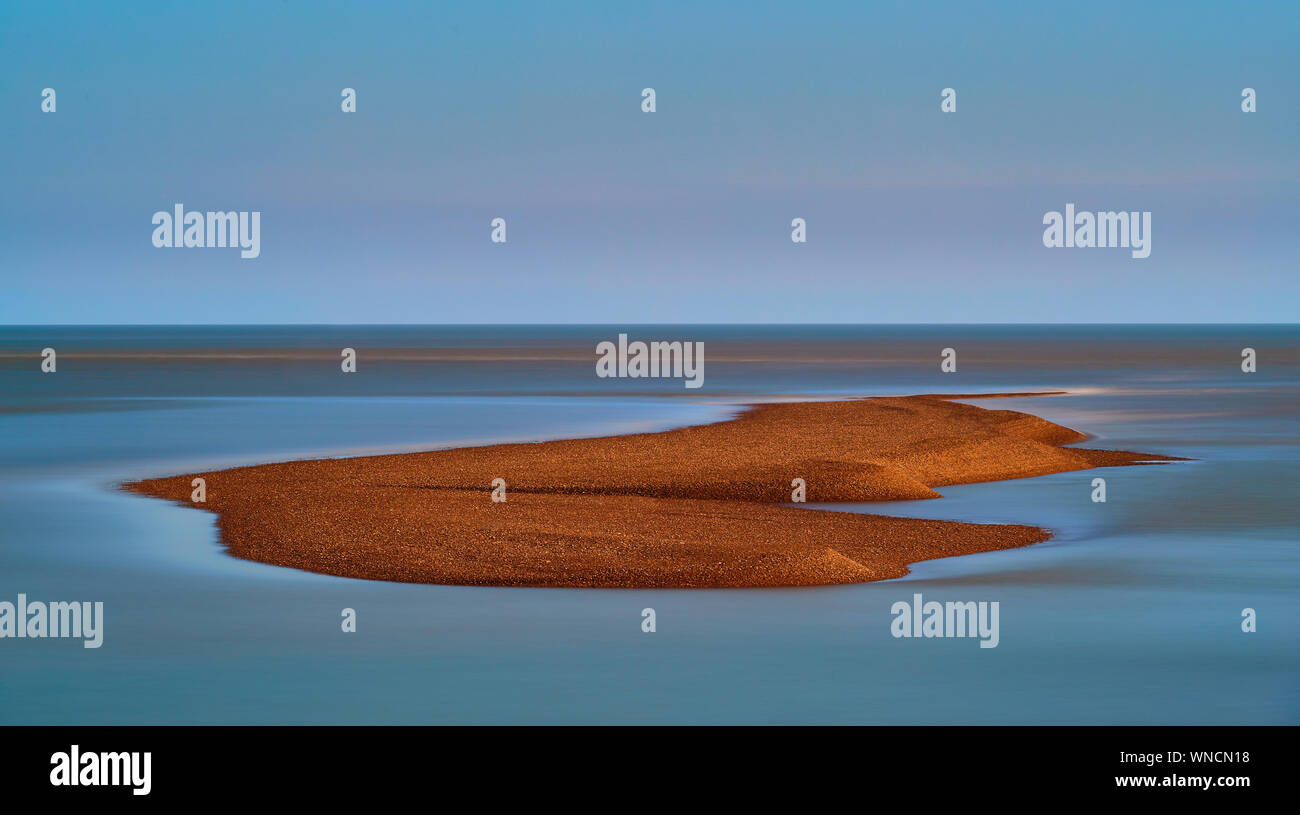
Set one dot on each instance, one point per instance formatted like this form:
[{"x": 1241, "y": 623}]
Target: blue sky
[{"x": 766, "y": 112}]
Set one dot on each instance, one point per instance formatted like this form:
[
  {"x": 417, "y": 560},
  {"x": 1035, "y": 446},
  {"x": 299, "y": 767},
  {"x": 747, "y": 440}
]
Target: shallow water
[{"x": 1131, "y": 614}]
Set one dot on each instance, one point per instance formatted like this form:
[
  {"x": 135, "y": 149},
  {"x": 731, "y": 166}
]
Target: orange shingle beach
[{"x": 696, "y": 507}]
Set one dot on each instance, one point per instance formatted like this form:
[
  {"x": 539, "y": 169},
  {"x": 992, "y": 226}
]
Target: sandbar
[{"x": 706, "y": 506}]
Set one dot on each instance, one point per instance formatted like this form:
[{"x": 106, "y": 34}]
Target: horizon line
[{"x": 628, "y": 323}]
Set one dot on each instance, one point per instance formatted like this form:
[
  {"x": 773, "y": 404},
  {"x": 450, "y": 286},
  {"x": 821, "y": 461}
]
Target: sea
[{"x": 1175, "y": 601}]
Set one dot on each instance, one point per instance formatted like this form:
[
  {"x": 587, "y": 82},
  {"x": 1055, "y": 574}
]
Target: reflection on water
[{"x": 1130, "y": 614}]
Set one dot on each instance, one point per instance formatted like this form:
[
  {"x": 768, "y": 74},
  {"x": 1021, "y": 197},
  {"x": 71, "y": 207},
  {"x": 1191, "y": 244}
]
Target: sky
[{"x": 766, "y": 112}]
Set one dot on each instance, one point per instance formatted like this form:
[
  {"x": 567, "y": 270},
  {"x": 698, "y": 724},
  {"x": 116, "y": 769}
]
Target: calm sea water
[{"x": 1131, "y": 614}]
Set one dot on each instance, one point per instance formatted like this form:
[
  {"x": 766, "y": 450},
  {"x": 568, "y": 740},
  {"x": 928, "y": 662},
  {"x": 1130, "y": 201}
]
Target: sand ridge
[{"x": 700, "y": 506}]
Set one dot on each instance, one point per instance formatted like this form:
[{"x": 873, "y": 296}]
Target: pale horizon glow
[{"x": 682, "y": 216}]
